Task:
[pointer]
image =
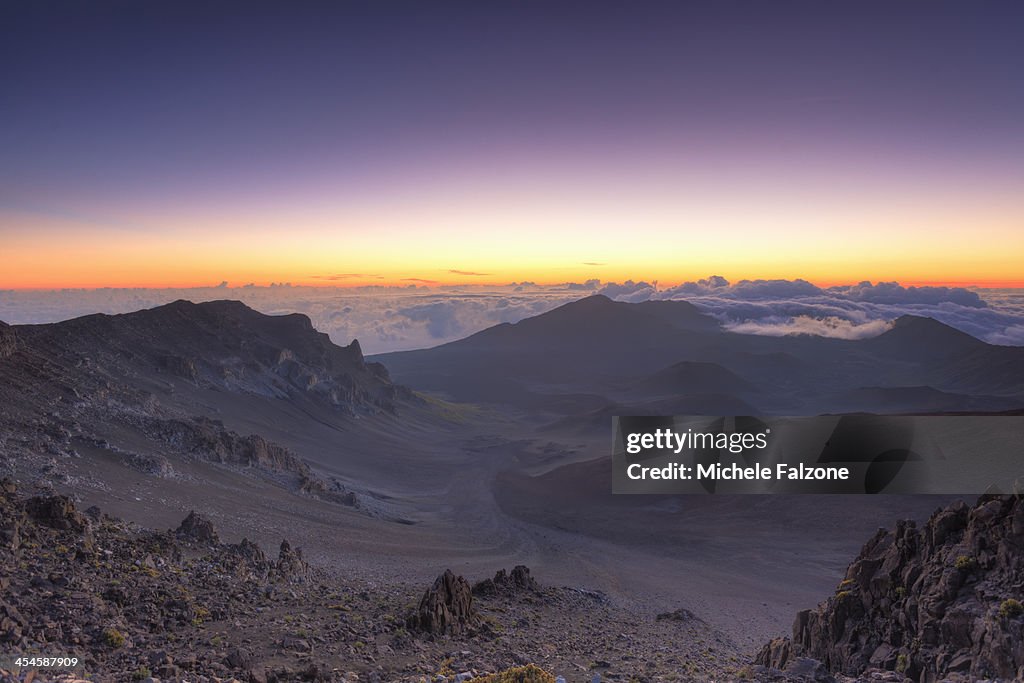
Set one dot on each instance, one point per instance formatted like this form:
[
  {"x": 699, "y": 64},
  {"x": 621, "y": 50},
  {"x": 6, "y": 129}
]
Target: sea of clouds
[{"x": 400, "y": 318}]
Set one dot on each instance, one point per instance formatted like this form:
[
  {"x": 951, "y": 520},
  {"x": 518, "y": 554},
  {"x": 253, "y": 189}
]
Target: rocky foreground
[
  {"x": 941, "y": 602},
  {"x": 181, "y": 605}
]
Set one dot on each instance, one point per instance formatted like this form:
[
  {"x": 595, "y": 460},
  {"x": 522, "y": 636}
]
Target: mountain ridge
[
  {"x": 222, "y": 344},
  {"x": 598, "y": 347}
]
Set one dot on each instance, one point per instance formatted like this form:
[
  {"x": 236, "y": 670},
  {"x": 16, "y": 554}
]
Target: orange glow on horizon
[
  {"x": 119, "y": 267},
  {"x": 551, "y": 241},
  {"x": 442, "y": 281}
]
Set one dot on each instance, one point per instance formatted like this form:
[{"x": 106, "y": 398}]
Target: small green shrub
[
  {"x": 200, "y": 615},
  {"x": 113, "y": 638},
  {"x": 445, "y": 669},
  {"x": 141, "y": 673},
  {"x": 965, "y": 563},
  {"x": 530, "y": 673},
  {"x": 902, "y": 663},
  {"x": 1011, "y": 609}
]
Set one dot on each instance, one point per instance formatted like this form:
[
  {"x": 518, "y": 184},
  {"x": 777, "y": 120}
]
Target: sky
[{"x": 177, "y": 144}]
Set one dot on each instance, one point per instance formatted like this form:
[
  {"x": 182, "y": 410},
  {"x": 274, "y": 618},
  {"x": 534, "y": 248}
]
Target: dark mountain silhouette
[
  {"x": 680, "y": 314},
  {"x": 916, "y": 338},
  {"x": 577, "y": 322},
  {"x": 583, "y": 344},
  {"x": 631, "y": 354},
  {"x": 222, "y": 344}
]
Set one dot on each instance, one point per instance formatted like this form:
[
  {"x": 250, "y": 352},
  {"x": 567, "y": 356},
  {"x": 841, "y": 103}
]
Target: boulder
[
  {"x": 290, "y": 563},
  {"x": 56, "y": 512},
  {"x": 505, "y": 583},
  {"x": 446, "y": 607},
  {"x": 775, "y": 654},
  {"x": 197, "y": 528}
]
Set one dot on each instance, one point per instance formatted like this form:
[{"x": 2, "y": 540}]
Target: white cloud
[
  {"x": 398, "y": 318},
  {"x": 820, "y": 327},
  {"x": 796, "y": 306}
]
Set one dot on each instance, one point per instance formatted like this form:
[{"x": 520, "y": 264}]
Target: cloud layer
[
  {"x": 399, "y": 318},
  {"x": 851, "y": 311}
]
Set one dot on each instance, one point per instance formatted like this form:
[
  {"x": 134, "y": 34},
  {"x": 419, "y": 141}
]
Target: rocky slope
[
  {"x": 183, "y": 605},
  {"x": 218, "y": 344},
  {"x": 140, "y": 388},
  {"x": 941, "y": 602}
]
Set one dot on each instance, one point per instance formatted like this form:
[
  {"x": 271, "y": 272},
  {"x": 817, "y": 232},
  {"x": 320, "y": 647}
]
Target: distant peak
[
  {"x": 918, "y": 323},
  {"x": 588, "y": 305},
  {"x": 916, "y": 320},
  {"x": 216, "y": 305},
  {"x": 220, "y": 306},
  {"x": 918, "y": 337},
  {"x": 593, "y": 300}
]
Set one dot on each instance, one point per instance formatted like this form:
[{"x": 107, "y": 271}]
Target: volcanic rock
[
  {"x": 929, "y": 603},
  {"x": 503, "y": 582},
  {"x": 197, "y": 528},
  {"x": 57, "y": 512},
  {"x": 446, "y": 607},
  {"x": 290, "y": 563}
]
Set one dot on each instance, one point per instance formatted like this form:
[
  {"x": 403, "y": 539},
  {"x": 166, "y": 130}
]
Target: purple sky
[{"x": 453, "y": 128}]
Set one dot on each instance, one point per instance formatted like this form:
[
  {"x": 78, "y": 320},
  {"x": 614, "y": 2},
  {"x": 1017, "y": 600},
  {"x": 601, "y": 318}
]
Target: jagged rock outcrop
[
  {"x": 56, "y": 512},
  {"x": 197, "y": 528},
  {"x": 209, "y": 440},
  {"x": 290, "y": 564},
  {"x": 446, "y": 608},
  {"x": 250, "y": 552},
  {"x": 931, "y": 603},
  {"x": 503, "y": 582},
  {"x": 775, "y": 654}
]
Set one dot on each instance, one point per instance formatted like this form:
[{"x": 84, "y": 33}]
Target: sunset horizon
[
  {"x": 491, "y": 146},
  {"x": 356, "y": 284}
]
